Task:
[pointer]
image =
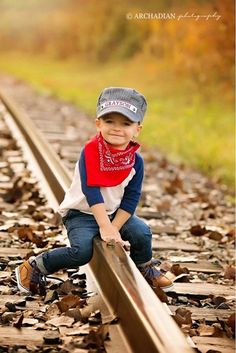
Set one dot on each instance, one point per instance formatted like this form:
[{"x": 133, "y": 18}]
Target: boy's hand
[{"x": 110, "y": 233}]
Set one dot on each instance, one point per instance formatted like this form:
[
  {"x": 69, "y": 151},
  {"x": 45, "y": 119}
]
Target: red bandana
[{"x": 105, "y": 165}]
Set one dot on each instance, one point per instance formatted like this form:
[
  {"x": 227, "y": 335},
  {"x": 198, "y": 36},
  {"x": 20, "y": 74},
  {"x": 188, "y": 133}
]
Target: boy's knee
[
  {"x": 80, "y": 256},
  {"x": 146, "y": 234},
  {"x": 143, "y": 234}
]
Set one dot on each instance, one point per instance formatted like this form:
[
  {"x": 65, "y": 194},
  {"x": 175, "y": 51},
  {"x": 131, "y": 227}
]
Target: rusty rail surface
[{"x": 145, "y": 323}]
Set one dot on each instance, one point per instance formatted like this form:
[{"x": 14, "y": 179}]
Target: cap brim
[{"x": 121, "y": 110}]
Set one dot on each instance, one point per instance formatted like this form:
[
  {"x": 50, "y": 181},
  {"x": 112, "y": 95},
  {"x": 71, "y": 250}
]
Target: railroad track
[
  {"x": 142, "y": 318},
  {"x": 144, "y": 321}
]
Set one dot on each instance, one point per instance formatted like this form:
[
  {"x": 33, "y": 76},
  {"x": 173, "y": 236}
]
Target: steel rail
[{"x": 143, "y": 319}]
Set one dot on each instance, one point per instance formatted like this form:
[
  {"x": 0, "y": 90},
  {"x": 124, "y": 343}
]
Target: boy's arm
[
  {"x": 95, "y": 200},
  {"x": 120, "y": 218},
  {"x": 107, "y": 230},
  {"x": 131, "y": 196},
  {"x": 92, "y": 193}
]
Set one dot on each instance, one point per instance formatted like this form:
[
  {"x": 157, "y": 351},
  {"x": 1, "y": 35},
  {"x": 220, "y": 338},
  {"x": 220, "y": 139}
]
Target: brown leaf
[
  {"x": 183, "y": 317},
  {"x": 52, "y": 311},
  {"x": 61, "y": 321},
  {"x": 215, "y": 235},
  {"x": 174, "y": 185},
  {"x": 178, "y": 270},
  {"x": 226, "y": 328},
  {"x": 70, "y": 301},
  {"x": 19, "y": 322},
  {"x": 165, "y": 266},
  {"x": 206, "y": 330},
  {"x": 231, "y": 323},
  {"x": 14, "y": 194},
  {"x": 75, "y": 313},
  {"x": 67, "y": 287},
  {"x": 193, "y": 332},
  {"x": 218, "y": 300},
  {"x": 50, "y": 296},
  {"x": 86, "y": 312},
  {"x": 218, "y": 330},
  {"x": 27, "y": 234},
  {"x": 95, "y": 339},
  {"x": 231, "y": 234},
  {"x": 198, "y": 230},
  {"x": 230, "y": 272}
]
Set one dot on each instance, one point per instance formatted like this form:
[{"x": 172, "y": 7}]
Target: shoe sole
[
  {"x": 165, "y": 289},
  {"x": 20, "y": 287}
]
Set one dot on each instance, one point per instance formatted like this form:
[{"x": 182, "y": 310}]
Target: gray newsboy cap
[{"x": 126, "y": 101}]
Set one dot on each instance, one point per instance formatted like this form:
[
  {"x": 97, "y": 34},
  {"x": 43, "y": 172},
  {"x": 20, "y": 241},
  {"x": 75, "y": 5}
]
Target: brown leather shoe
[
  {"x": 29, "y": 278},
  {"x": 155, "y": 277}
]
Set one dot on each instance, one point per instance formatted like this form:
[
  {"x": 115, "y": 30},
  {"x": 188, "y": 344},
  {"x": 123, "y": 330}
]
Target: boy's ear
[
  {"x": 97, "y": 123},
  {"x": 139, "y": 128}
]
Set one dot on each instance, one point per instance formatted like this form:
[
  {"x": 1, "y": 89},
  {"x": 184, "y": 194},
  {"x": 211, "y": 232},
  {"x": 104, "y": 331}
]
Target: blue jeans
[{"x": 81, "y": 230}]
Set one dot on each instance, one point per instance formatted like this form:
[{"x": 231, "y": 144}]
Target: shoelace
[
  {"x": 37, "y": 276},
  {"x": 150, "y": 271}
]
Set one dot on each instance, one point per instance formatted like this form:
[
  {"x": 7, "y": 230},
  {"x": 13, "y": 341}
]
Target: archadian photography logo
[{"x": 172, "y": 16}]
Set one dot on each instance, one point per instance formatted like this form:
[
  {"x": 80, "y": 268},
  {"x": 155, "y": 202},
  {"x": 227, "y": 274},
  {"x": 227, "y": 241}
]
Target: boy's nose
[{"x": 117, "y": 127}]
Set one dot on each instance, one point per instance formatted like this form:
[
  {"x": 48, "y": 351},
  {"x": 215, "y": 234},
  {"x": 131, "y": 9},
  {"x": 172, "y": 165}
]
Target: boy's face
[{"x": 117, "y": 130}]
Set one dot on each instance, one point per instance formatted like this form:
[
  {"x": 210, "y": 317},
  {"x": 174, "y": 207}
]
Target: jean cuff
[
  {"x": 144, "y": 264},
  {"x": 40, "y": 264}
]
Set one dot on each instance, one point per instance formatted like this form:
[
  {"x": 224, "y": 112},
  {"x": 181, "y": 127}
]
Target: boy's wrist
[
  {"x": 104, "y": 223},
  {"x": 116, "y": 225}
]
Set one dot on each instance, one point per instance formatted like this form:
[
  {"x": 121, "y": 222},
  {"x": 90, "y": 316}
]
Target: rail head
[{"x": 143, "y": 319}]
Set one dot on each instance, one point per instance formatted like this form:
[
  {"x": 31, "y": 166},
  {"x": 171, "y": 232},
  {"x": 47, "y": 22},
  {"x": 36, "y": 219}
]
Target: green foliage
[
  {"x": 189, "y": 125},
  {"x": 185, "y": 68}
]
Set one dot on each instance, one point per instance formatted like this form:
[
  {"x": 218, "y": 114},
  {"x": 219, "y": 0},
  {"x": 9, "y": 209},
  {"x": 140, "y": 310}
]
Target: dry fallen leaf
[
  {"x": 19, "y": 322},
  {"x": 52, "y": 311},
  {"x": 67, "y": 287},
  {"x": 61, "y": 321},
  {"x": 198, "y": 230},
  {"x": 27, "y": 234},
  {"x": 230, "y": 235},
  {"x": 218, "y": 300},
  {"x": 226, "y": 328},
  {"x": 183, "y": 317},
  {"x": 51, "y": 295},
  {"x": 230, "y": 272},
  {"x": 178, "y": 270},
  {"x": 215, "y": 236},
  {"x": 206, "y": 330},
  {"x": 95, "y": 339},
  {"x": 231, "y": 323},
  {"x": 70, "y": 301}
]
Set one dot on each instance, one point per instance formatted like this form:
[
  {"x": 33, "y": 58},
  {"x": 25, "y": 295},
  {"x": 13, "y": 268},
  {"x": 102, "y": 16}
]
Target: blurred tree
[{"x": 100, "y": 31}]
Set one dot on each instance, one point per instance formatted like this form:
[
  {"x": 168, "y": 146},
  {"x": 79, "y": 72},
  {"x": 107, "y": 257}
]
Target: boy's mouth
[{"x": 115, "y": 135}]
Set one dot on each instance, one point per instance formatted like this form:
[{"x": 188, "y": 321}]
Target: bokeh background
[{"x": 185, "y": 67}]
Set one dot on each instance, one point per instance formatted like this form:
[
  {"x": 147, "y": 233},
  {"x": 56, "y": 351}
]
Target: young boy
[{"x": 103, "y": 196}]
